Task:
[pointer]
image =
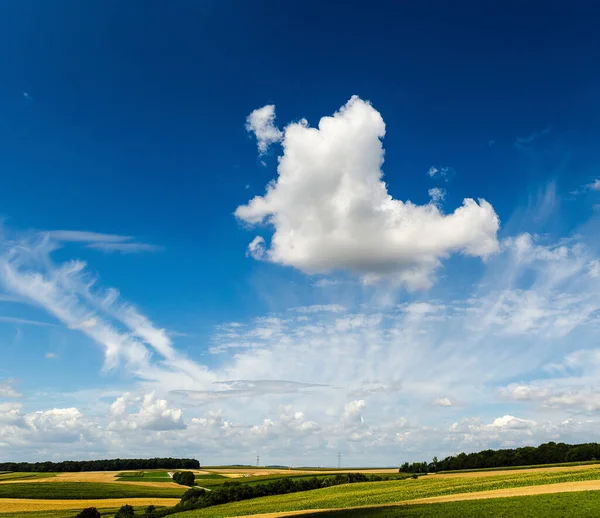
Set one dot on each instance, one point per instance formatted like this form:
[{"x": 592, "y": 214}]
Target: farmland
[
  {"x": 581, "y": 504},
  {"x": 368, "y": 494},
  {"x": 51, "y": 495},
  {"x": 85, "y": 490}
]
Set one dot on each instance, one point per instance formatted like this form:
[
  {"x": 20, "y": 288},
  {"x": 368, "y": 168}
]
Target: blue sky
[{"x": 163, "y": 276}]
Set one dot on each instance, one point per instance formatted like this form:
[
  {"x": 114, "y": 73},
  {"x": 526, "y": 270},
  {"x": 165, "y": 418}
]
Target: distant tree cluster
[
  {"x": 101, "y": 465},
  {"x": 548, "y": 453},
  {"x": 185, "y": 478}
]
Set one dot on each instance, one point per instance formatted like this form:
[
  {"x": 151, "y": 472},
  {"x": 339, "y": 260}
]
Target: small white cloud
[
  {"x": 444, "y": 401},
  {"x": 325, "y": 283},
  {"x": 436, "y": 194},
  {"x": 256, "y": 249},
  {"x": 320, "y": 308},
  {"x": 261, "y": 122},
  {"x": 50, "y": 356},
  {"x": 442, "y": 172},
  {"x": 595, "y": 185}
]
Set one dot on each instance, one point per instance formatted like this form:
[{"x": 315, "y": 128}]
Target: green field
[
  {"x": 580, "y": 504},
  {"x": 144, "y": 476},
  {"x": 373, "y": 493},
  {"x": 11, "y": 475},
  {"x": 85, "y": 490}
]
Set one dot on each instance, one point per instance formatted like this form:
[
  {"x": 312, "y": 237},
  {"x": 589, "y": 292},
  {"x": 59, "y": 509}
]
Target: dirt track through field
[
  {"x": 13, "y": 505},
  {"x": 563, "y": 487}
]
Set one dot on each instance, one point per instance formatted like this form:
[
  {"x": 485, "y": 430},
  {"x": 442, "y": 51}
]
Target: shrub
[
  {"x": 89, "y": 512},
  {"x": 125, "y": 512},
  {"x": 185, "y": 478},
  {"x": 150, "y": 509}
]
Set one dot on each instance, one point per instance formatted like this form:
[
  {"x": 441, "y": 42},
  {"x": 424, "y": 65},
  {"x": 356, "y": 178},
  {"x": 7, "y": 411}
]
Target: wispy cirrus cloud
[
  {"x": 594, "y": 185},
  {"x": 103, "y": 242},
  {"x": 523, "y": 143},
  {"x": 26, "y": 322},
  {"x": 126, "y": 248}
]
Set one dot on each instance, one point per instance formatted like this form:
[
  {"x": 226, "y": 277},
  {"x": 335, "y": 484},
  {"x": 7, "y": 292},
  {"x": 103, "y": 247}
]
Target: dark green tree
[
  {"x": 185, "y": 478},
  {"x": 89, "y": 512},
  {"x": 126, "y": 511}
]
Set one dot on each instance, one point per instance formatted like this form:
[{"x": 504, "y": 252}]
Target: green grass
[
  {"x": 581, "y": 505},
  {"x": 373, "y": 493},
  {"x": 144, "y": 476},
  {"x": 85, "y": 490},
  {"x": 532, "y": 466},
  {"x": 12, "y": 475}
]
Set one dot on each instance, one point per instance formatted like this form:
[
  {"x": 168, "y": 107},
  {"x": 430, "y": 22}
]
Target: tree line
[
  {"x": 101, "y": 465},
  {"x": 548, "y": 453}
]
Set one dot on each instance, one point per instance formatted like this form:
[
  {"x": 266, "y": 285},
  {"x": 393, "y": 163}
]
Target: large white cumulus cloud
[{"x": 331, "y": 210}]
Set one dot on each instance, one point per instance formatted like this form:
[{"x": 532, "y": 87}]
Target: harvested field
[{"x": 8, "y": 505}]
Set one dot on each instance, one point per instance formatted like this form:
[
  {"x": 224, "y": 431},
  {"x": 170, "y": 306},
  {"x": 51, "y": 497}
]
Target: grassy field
[
  {"x": 85, "y": 490},
  {"x": 373, "y": 493},
  {"x": 144, "y": 476},
  {"x": 581, "y": 505},
  {"x": 10, "y": 475}
]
